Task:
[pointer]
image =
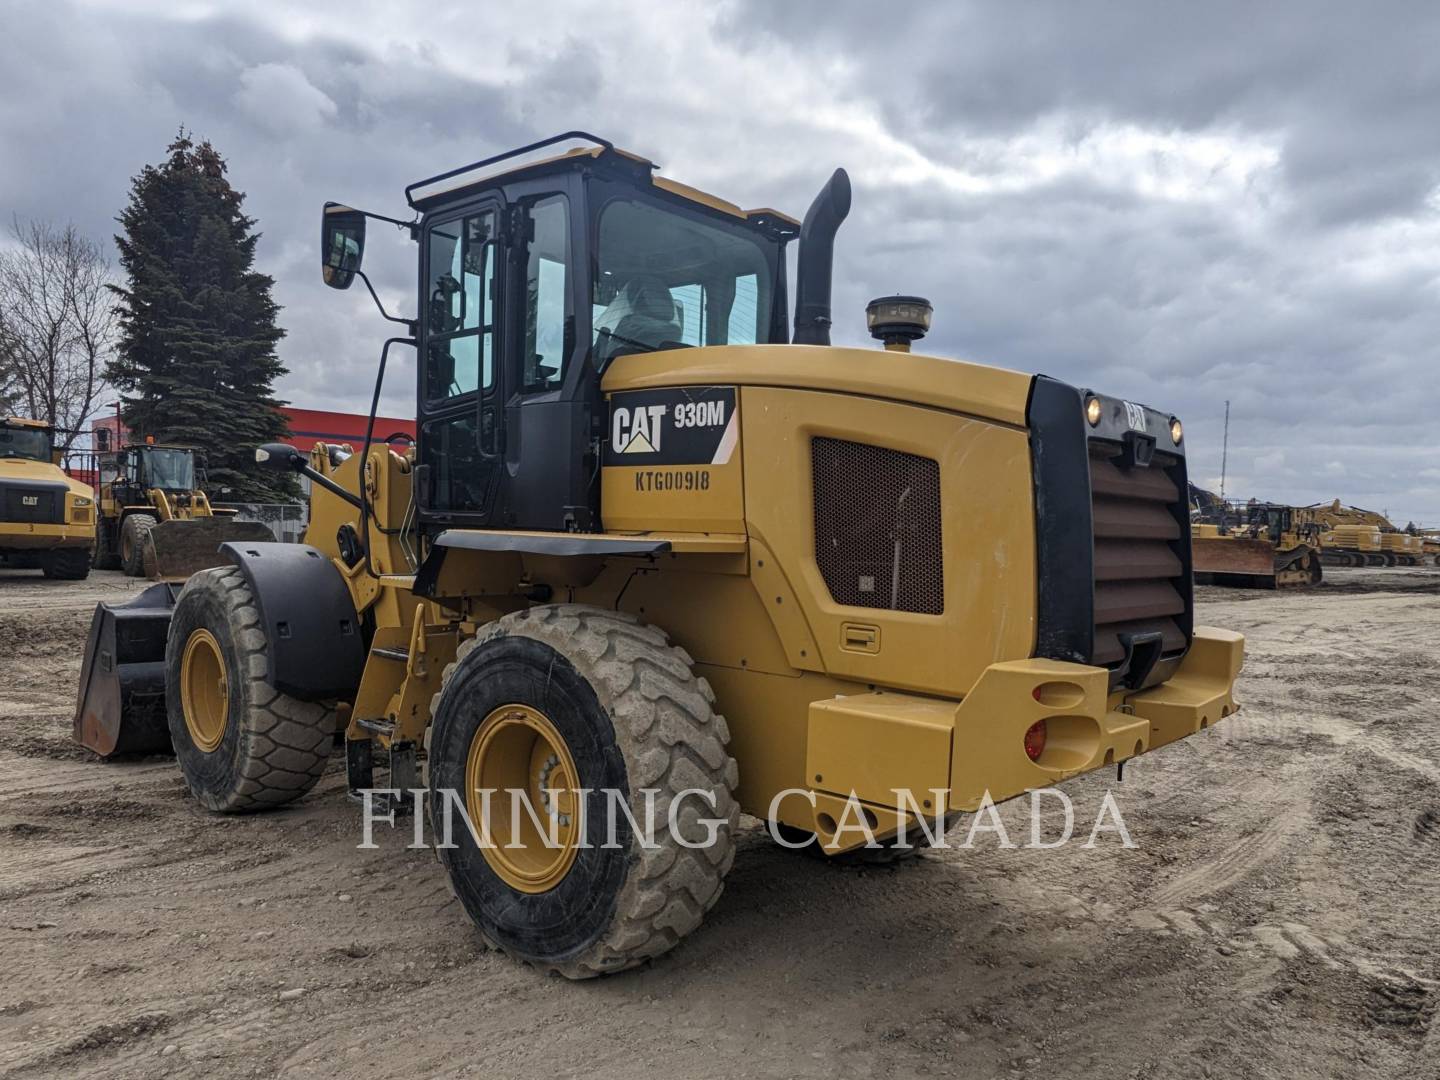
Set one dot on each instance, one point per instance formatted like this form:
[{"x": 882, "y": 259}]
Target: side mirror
[
  {"x": 279, "y": 457},
  {"x": 342, "y": 244}
]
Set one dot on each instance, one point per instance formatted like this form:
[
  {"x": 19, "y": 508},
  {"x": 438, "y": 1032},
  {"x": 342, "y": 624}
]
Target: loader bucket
[
  {"x": 176, "y": 549},
  {"x": 121, "y": 708},
  {"x": 1234, "y": 561}
]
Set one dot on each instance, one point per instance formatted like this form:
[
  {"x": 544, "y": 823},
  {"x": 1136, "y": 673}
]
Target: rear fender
[{"x": 316, "y": 648}]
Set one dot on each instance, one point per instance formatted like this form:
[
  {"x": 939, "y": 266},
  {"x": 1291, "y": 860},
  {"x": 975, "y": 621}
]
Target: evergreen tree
[{"x": 196, "y": 358}]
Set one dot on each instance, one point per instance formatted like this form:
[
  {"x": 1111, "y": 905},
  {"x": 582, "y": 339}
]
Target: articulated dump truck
[
  {"x": 1251, "y": 544},
  {"x": 47, "y": 519},
  {"x": 651, "y": 543}
]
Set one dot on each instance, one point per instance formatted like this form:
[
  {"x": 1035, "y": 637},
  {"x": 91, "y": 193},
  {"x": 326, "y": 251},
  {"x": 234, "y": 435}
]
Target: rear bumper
[
  {"x": 31, "y": 536},
  {"x": 955, "y": 754}
]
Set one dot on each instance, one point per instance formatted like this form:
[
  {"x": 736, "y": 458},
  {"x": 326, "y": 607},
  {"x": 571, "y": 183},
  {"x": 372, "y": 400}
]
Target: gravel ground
[{"x": 1277, "y": 917}]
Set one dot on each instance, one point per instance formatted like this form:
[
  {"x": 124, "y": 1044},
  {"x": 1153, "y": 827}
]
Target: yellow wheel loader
[
  {"x": 654, "y": 559},
  {"x": 1252, "y": 545},
  {"x": 156, "y": 521},
  {"x": 47, "y": 519}
]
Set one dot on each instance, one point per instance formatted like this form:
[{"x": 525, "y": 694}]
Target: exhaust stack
[{"x": 814, "y": 264}]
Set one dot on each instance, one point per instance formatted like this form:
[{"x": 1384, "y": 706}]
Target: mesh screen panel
[{"x": 877, "y": 526}]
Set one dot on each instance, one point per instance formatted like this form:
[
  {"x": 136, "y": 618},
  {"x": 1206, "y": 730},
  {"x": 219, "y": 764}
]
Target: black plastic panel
[
  {"x": 1064, "y": 554},
  {"x": 316, "y": 648}
]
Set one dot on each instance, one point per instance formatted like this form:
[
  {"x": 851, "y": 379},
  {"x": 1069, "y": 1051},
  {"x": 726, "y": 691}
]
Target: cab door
[{"x": 461, "y": 383}]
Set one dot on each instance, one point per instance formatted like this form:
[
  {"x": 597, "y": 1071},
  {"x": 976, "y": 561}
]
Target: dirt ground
[{"x": 1280, "y": 916}]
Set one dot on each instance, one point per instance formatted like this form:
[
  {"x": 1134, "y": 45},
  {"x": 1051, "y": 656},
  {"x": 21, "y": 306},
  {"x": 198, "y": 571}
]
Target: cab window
[
  {"x": 549, "y": 318},
  {"x": 460, "y": 307},
  {"x": 665, "y": 278}
]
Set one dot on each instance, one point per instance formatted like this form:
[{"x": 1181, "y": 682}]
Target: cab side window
[
  {"x": 549, "y": 315},
  {"x": 460, "y": 307}
]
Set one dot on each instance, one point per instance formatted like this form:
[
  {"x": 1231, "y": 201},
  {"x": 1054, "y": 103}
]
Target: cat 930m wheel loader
[{"x": 652, "y": 548}]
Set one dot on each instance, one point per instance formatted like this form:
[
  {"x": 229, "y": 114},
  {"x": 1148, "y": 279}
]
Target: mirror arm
[{"x": 412, "y": 325}]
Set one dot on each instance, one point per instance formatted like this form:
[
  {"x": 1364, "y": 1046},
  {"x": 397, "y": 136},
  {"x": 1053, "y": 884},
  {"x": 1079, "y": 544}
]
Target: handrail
[{"x": 410, "y": 189}]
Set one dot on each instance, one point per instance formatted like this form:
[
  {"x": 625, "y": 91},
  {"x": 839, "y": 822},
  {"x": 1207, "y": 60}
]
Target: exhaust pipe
[{"x": 813, "y": 268}]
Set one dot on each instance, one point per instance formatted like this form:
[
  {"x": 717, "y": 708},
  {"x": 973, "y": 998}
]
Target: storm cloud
[{"x": 1179, "y": 203}]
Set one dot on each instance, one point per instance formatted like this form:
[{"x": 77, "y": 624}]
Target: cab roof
[
  {"x": 641, "y": 171},
  {"x": 25, "y": 422}
]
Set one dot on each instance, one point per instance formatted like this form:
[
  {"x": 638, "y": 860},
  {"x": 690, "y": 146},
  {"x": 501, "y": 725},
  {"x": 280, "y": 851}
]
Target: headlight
[
  {"x": 1176, "y": 431},
  {"x": 1092, "y": 410},
  {"x": 81, "y": 501}
]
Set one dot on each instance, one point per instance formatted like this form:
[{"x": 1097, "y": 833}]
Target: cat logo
[
  {"x": 29, "y": 500},
  {"x": 638, "y": 431},
  {"x": 1135, "y": 417}
]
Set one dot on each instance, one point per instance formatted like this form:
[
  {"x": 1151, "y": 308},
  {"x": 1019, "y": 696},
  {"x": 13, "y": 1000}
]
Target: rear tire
[
  {"x": 132, "y": 543},
  {"x": 244, "y": 746},
  {"x": 632, "y": 715},
  {"x": 67, "y": 564}
]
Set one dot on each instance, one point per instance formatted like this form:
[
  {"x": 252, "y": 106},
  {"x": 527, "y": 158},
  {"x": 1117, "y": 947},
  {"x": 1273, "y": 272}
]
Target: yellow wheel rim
[
  {"x": 204, "y": 690},
  {"x": 518, "y": 749}
]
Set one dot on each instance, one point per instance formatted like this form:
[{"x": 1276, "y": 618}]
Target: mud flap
[
  {"x": 176, "y": 549},
  {"x": 121, "y": 707}
]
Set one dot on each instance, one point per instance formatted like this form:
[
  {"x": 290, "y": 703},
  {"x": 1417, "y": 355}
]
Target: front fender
[{"x": 313, "y": 634}]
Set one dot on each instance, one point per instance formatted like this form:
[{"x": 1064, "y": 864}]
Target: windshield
[
  {"x": 170, "y": 470},
  {"x": 666, "y": 278},
  {"x": 25, "y": 442}
]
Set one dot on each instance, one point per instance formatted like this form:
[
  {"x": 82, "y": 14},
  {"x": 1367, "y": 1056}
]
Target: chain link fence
[{"x": 286, "y": 520}]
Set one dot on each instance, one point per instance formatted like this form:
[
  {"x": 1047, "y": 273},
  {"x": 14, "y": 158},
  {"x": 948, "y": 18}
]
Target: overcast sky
[{"x": 1177, "y": 203}]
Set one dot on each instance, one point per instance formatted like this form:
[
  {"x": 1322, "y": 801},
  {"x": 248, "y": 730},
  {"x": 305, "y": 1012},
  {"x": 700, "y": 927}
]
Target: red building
[{"x": 307, "y": 427}]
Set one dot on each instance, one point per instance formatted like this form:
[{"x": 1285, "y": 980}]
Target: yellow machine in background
[
  {"x": 648, "y": 547},
  {"x": 47, "y": 519},
  {"x": 1351, "y": 536},
  {"x": 155, "y": 520},
  {"x": 1252, "y": 544}
]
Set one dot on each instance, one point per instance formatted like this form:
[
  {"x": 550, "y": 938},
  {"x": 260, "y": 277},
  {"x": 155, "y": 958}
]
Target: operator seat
[{"x": 642, "y": 317}]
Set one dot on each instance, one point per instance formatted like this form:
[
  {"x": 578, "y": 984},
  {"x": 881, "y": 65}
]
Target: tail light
[{"x": 1035, "y": 740}]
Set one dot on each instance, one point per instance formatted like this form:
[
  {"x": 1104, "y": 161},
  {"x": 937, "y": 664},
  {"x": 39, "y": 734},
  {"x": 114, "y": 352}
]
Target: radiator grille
[
  {"x": 40, "y": 504},
  {"x": 877, "y": 526},
  {"x": 1139, "y": 577}
]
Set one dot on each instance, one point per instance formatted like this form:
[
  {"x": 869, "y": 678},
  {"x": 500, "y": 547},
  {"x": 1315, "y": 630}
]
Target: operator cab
[
  {"x": 535, "y": 276},
  {"x": 146, "y": 466},
  {"x": 28, "y": 439}
]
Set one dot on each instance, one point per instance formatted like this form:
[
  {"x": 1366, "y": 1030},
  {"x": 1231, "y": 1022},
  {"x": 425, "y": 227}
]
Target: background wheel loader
[
  {"x": 652, "y": 548},
  {"x": 47, "y": 519},
  {"x": 155, "y": 520},
  {"x": 1252, "y": 544}
]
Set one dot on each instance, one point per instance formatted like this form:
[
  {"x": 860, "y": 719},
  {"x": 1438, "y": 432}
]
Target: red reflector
[
  {"x": 1035, "y": 693},
  {"x": 1035, "y": 740}
]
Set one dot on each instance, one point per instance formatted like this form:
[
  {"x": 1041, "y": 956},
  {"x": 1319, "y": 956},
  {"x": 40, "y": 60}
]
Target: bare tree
[{"x": 57, "y": 324}]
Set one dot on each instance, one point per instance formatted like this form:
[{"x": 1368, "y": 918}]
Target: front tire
[
  {"x": 67, "y": 564},
  {"x": 630, "y": 715},
  {"x": 242, "y": 745},
  {"x": 133, "y": 534}
]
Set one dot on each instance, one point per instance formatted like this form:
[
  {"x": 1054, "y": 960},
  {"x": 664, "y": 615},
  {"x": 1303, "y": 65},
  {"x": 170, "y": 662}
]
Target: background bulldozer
[
  {"x": 1251, "y": 544},
  {"x": 155, "y": 519},
  {"x": 651, "y": 547}
]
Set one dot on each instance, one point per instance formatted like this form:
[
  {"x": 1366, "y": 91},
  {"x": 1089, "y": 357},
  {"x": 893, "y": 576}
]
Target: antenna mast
[{"x": 1225, "y": 451}]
